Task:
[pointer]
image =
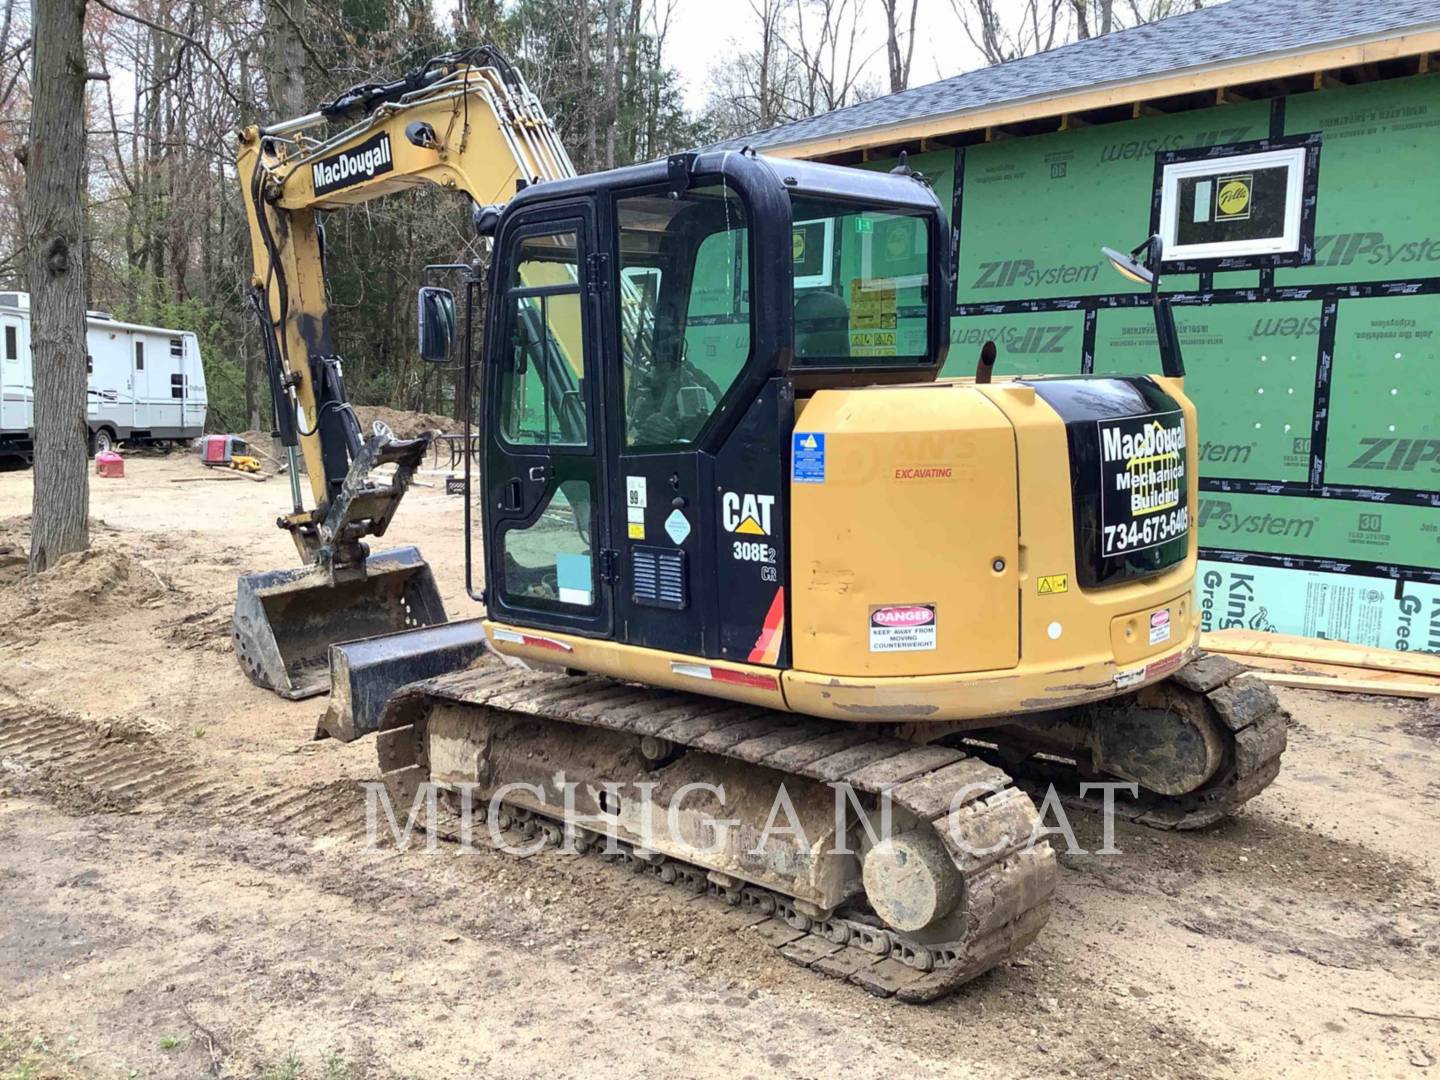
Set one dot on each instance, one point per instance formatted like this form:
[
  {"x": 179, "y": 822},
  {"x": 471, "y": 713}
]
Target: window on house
[{"x": 1219, "y": 210}]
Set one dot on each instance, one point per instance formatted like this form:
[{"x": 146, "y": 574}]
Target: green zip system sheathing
[{"x": 1318, "y": 387}]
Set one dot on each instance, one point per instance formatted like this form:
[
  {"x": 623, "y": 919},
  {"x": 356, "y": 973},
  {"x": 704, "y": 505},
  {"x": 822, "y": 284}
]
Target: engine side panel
[{"x": 904, "y": 557}]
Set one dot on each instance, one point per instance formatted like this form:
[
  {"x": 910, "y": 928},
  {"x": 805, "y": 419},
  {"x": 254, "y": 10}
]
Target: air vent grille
[{"x": 657, "y": 577}]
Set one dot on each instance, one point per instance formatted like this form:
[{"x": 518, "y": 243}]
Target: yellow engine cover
[{"x": 905, "y": 561}]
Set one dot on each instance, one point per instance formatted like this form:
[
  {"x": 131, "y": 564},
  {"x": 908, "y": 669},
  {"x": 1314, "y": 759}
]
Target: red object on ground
[
  {"x": 109, "y": 463},
  {"x": 219, "y": 449}
]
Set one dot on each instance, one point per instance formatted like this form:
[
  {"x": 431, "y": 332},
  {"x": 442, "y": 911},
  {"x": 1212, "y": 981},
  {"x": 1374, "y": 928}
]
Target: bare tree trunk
[
  {"x": 285, "y": 87},
  {"x": 586, "y": 96},
  {"x": 285, "y": 66},
  {"x": 899, "y": 57},
  {"x": 612, "y": 73},
  {"x": 55, "y": 209}
]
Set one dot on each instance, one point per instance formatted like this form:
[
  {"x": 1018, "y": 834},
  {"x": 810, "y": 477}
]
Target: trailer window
[
  {"x": 12, "y": 348},
  {"x": 177, "y": 347},
  {"x": 177, "y": 385},
  {"x": 139, "y": 356},
  {"x": 89, "y": 364}
]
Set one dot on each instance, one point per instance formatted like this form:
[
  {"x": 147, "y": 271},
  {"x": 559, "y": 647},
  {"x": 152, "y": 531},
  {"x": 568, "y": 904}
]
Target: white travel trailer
[{"x": 146, "y": 382}]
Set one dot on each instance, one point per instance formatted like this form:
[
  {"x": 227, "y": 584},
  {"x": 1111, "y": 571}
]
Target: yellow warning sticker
[
  {"x": 636, "y": 530},
  {"x": 1050, "y": 584},
  {"x": 872, "y": 317}
]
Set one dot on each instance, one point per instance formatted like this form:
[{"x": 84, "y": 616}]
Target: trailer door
[
  {"x": 142, "y": 359},
  {"x": 112, "y": 385},
  {"x": 192, "y": 377},
  {"x": 16, "y": 390}
]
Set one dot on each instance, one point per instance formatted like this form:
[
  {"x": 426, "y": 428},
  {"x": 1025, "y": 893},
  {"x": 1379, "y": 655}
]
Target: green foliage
[
  {"x": 216, "y": 329},
  {"x": 289, "y": 1069},
  {"x": 168, "y": 243}
]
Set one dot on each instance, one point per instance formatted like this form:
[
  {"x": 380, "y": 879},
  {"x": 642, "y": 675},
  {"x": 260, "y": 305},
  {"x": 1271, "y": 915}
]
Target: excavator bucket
[
  {"x": 286, "y": 620},
  {"x": 364, "y": 673}
]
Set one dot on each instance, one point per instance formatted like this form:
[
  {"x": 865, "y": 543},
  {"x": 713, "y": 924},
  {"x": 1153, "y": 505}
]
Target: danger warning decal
[
  {"x": 366, "y": 161},
  {"x": 1142, "y": 482},
  {"x": 902, "y": 628},
  {"x": 1160, "y": 626}
]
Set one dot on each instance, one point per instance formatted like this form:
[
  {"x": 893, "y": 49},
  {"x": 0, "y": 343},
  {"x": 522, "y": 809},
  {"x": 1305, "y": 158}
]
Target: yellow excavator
[{"x": 745, "y": 558}]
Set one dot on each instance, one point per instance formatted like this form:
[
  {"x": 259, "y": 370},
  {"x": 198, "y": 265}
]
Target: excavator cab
[{"x": 643, "y": 350}]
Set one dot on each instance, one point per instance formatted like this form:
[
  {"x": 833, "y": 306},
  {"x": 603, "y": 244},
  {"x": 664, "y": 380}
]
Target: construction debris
[{"x": 1319, "y": 664}]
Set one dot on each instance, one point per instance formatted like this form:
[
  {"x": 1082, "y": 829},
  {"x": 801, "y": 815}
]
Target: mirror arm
[{"x": 1172, "y": 363}]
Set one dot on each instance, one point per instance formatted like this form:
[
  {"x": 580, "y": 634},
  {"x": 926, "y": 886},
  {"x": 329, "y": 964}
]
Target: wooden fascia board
[{"x": 1121, "y": 93}]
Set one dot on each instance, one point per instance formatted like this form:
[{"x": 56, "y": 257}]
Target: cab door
[{"x": 544, "y": 513}]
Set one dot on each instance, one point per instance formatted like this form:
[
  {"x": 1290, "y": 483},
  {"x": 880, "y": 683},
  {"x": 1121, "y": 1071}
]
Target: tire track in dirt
[{"x": 84, "y": 770}]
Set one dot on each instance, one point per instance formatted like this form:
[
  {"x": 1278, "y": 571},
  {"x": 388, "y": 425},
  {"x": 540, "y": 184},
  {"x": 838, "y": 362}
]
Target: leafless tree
[
  {"x": 830, "y": 72},
  {"x": 806, "y": 59},
  {"x": 1004, "y": 32},
  {"x": 55, "y": 212},
  {"x": 899, "y": 41},
  {"x": 748, "y": 91},
  {"x": 1093, "y": 17},
  {"x": 1040, "y": 25},
  {"x": 15, "y": 44},
  {"x": 285, "y": 57}
]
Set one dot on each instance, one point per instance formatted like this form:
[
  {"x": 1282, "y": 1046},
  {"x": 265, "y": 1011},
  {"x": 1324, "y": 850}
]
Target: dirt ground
[{"x": 186, "y": 891}]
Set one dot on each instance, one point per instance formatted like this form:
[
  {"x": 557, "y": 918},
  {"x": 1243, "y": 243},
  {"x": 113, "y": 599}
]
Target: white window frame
[
  {"x": 867, "y": 262},
  {"x": 822, "y": 279},
  {"x": 1292, "y": 158}
]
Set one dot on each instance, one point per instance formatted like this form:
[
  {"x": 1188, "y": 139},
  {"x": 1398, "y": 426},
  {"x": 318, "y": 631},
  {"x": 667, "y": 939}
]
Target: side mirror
[
  {"x": 1142, "y": 265},
  {"x": 435, "y": 308}
]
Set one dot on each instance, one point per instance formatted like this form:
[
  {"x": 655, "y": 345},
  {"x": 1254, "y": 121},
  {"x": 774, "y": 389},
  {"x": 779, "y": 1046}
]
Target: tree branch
[{"x": 200, "y": 48}]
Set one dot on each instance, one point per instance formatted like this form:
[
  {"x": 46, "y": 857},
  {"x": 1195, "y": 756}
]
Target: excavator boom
[{"x": 465, "y": 122}]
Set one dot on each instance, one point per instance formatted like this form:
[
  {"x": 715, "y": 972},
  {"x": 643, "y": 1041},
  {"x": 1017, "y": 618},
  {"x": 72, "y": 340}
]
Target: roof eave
[{"x": 1390, "y": 45}]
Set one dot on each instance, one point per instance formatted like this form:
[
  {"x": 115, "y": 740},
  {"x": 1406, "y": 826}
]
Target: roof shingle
[{"x": 1225, "y": 33}]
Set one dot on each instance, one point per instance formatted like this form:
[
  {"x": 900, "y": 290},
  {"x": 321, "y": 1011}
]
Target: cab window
[
  {"x": 542, "y": 376},
  {"x": 861, "y": 277},
  {"x": 684, "y": 310}
]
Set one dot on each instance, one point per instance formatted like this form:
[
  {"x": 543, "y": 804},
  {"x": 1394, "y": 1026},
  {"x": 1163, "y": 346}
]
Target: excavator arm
[{"x": 465, "y": 122}]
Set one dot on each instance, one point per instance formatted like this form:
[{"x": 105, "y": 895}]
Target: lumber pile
[{"x": 1317, "y": 664}]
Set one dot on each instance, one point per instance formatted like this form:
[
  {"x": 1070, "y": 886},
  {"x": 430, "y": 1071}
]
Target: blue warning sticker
[{"x": 807, "y": 458}]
